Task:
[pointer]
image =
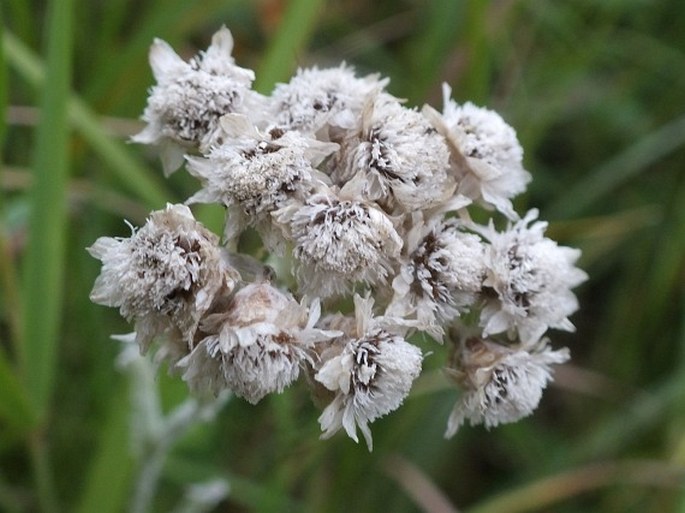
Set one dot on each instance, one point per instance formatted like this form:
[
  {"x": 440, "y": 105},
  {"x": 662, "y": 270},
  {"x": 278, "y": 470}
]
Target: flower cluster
[{"x": 356, "y": 194}]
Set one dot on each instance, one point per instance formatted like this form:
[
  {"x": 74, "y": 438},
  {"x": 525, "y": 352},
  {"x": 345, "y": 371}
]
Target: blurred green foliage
[{"x": 596, "y": 90}]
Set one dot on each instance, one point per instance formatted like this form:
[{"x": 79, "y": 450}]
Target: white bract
[
  {"x": 485, "y": 151},
  {"x": 164, "y": 277},
  {"x": 185, "y": 106},
  {"x": 501, "y": 384},
  {"x": 338, "y": 242},
  {"x": 254, "y": 173},
  {"x": 532, "y": 278},
  {"x": 371, "y": 374},
  {"x": 256, "y": 346},
  {"x": 441, "y": 276},
  {"x": 401, "y": 157},
  {"x": 316, "y": 99}
]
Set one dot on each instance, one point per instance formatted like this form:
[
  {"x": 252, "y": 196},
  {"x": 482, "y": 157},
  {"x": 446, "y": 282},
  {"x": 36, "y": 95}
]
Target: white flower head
[
  {"x": 402, "y": 158},
  {"x": 370, "y": 374},
  {"x": 257, "y": 346},
  {"x": 184, "y": 107},
  {"x": 441, "y": 276},
  {"x": 531, "y": 277},
  {"x": 165, "y": 276},
  {"x": 501, "y": 384},
  {"x": 339, "y": 241},
  {"x": 486, "y": 153},
  {"x": 255, "y": 173},
  {"x": 319, "y": 98}
]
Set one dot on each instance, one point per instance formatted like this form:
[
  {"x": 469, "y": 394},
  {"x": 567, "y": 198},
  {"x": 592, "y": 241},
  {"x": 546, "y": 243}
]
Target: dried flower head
[
  {"x": 256, "y": 346},
  {"x": 339, "y": 242},
  {"x": 441, "y": 276},
  {"x": 255, "y": 173},
  {"x": 501, "y": 384},
  {"x": 486, "y": 154},
  {"x": 370, "y": 370},
  {"x": 531, "y": 277},
  {"x": 184, "y": 108},
  {"x": 319, "y": 98},
  {"x": 165, "y": 276},
  {"x": 402, "y": 158},
  {"x": 366, "y": 195}
]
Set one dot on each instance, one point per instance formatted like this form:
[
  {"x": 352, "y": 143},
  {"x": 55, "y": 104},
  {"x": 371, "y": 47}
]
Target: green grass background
[{"x": 596, "y": 91}]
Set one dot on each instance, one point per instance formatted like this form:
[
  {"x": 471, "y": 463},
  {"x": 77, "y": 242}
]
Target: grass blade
[
  {"x": 14, "y": 406},
  {"x": 3, "y": 85},
  {"x": 140, "y": 180},
  {"x": 19, "y": 15},
  {"x": 555, "y": 488},
  {"x": 45, "y": 258},
  {"x": 618, "y": 170},
  {"x": 431, "y": 47},
  {"x": 107, "y": 484},
  {"x": 44, "y": 265},
  {"x": 15, "y": 409},
  {"x": 293, "y": 34}
]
